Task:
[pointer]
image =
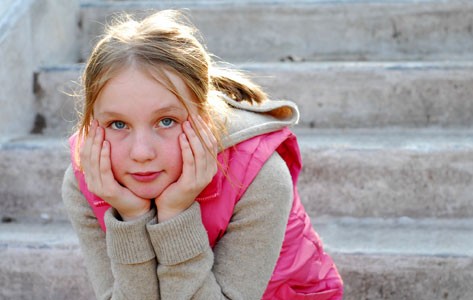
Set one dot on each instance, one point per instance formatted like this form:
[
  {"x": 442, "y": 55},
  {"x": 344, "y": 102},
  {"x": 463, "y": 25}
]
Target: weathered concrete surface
[
  {"x": 329, "y": 95},
  {"x": 58, "y": 99},
  {"x": 16, "y": 72},
  {"x": 402, "y": 258},
  {"x": 418, "y": 173},
  {"x": 32, "y": 33},
  {"x": 54, "y": 31},
  {"x": 400, "y": 277},
  {"x": 43, "y": 261},
  {"x": 396, "y": 236},
  {"x": 315, "y": 30},
  {"x": 5, "y": 5},
  {"x": 31, "y": 175},
  {"x": 367, "y": 94}
]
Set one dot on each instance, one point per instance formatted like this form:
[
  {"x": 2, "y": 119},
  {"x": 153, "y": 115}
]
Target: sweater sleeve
[
  {"x": 242, "y": 262},
  {"x": 120, "y": 264}
]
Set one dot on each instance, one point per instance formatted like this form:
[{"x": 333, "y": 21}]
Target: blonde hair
[{"x": 163, "y": 41}]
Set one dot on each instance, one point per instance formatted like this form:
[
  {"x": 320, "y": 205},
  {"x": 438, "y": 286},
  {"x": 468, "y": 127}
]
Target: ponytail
[{"x": 236, "y": 85}]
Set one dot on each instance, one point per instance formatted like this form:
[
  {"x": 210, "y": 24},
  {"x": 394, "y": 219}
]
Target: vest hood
[{"x": 244, "y": 120}]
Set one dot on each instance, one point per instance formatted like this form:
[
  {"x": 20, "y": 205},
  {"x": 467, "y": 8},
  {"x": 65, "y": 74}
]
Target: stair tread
[
  {"x": 344, "y": 236},
  {"x": 397, "y": 236},
  {"x": 329, "y": 94},
  {"x": 38, "y": 235},
  {"x": 370, "y": 30},
  {"x": 418, "y": 139}
]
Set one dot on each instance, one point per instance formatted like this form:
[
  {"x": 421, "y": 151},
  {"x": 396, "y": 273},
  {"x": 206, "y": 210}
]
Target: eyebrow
[{"x": 160, "y": 111}]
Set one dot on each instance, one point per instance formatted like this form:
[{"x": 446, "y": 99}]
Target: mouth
[{"x": 145, "y": 176}]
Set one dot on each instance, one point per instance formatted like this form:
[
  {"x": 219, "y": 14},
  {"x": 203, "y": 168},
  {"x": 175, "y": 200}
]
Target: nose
[{"x": 142, "y": 149}]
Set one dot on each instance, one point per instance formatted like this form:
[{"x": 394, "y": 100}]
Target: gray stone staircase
[{"x": 386, "y": 133}]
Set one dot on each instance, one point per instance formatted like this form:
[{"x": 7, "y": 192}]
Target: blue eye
[
  {"x": 118, "y": 125},
  {"x": 166, "y": 122}
]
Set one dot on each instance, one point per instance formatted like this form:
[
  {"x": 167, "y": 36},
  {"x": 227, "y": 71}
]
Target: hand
[
  {"x": 95, "y": 161},
  {"x": 199, "y": 158}
]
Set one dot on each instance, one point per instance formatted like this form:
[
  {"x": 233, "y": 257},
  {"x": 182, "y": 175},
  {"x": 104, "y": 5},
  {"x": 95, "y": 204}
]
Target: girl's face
[{"x": 142, "y": 121}]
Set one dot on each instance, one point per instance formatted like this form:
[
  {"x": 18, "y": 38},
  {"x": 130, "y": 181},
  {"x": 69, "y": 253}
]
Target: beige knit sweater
[{"x": 145, "y": 260}]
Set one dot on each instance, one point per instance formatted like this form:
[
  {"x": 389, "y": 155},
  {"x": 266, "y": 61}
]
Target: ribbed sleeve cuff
[
  {"x": 128, "y": 242},
  {"x": 180, "y": 238}
]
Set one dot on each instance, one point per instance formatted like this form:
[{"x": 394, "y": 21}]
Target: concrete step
[
  {"x": 41, "y": 262},
  {"x": 401, "y": 258},
  {"x": 379, "y": 173},
  {"x": 358, "y": 173},
  {"x": 373, "y": 94},
  {"x": 31, "y": 172},
  {"x": 32, "y": 33},
  {"x": 313, "y": 29},
  {"x": 57, "y": 90},
  {"x": 396, "y": 236},
  {"x": 330, "y": 95},
  {"x": 378, "y": 259}
]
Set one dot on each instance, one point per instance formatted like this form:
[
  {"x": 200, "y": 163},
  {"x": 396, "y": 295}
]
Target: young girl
[{"x": 183, "y": 177}]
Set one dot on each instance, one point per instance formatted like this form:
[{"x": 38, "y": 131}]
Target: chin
[
  {"x": 144, "y": 191},
  {"x": 147, "y": 194}
]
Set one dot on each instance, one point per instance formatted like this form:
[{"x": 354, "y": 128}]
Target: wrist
[
  {"x": 166, "y": 214},
  {"x": 131, "y": 216}
]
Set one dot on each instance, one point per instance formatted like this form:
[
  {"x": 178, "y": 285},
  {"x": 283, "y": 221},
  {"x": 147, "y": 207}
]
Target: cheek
[
  {"x": 174, "y": 155},
  {"x": 169, "y": 145},
  {"x": 117, "y": 157}
]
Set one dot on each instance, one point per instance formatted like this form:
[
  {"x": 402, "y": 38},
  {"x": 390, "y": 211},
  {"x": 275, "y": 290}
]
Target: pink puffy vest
[{"x": 303, "y": 269}]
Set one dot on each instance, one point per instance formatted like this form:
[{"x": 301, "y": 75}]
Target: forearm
[
  {"x": 241, "y": 264},
  {"x": 132, "y": 258},
  {"x": 184, "y": 256},
  {"x": 110, "y": 280}
]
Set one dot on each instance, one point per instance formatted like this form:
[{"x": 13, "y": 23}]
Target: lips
[{"x": 145, "y": 176}]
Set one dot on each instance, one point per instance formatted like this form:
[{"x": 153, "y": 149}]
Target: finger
[
  {"x": 96, "y": 147},
  {"x": 106, "y": 173},
  {"x": 188, "y": 162},
  {"x": 210, "y": 145},
  {"x": 94, "y": 160},
  {"x": 85, "y": 154},
  {"x": 198, "y": 149},
  {"x": 193, "y": 139},
  {"x": 87, "y": 145}
]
